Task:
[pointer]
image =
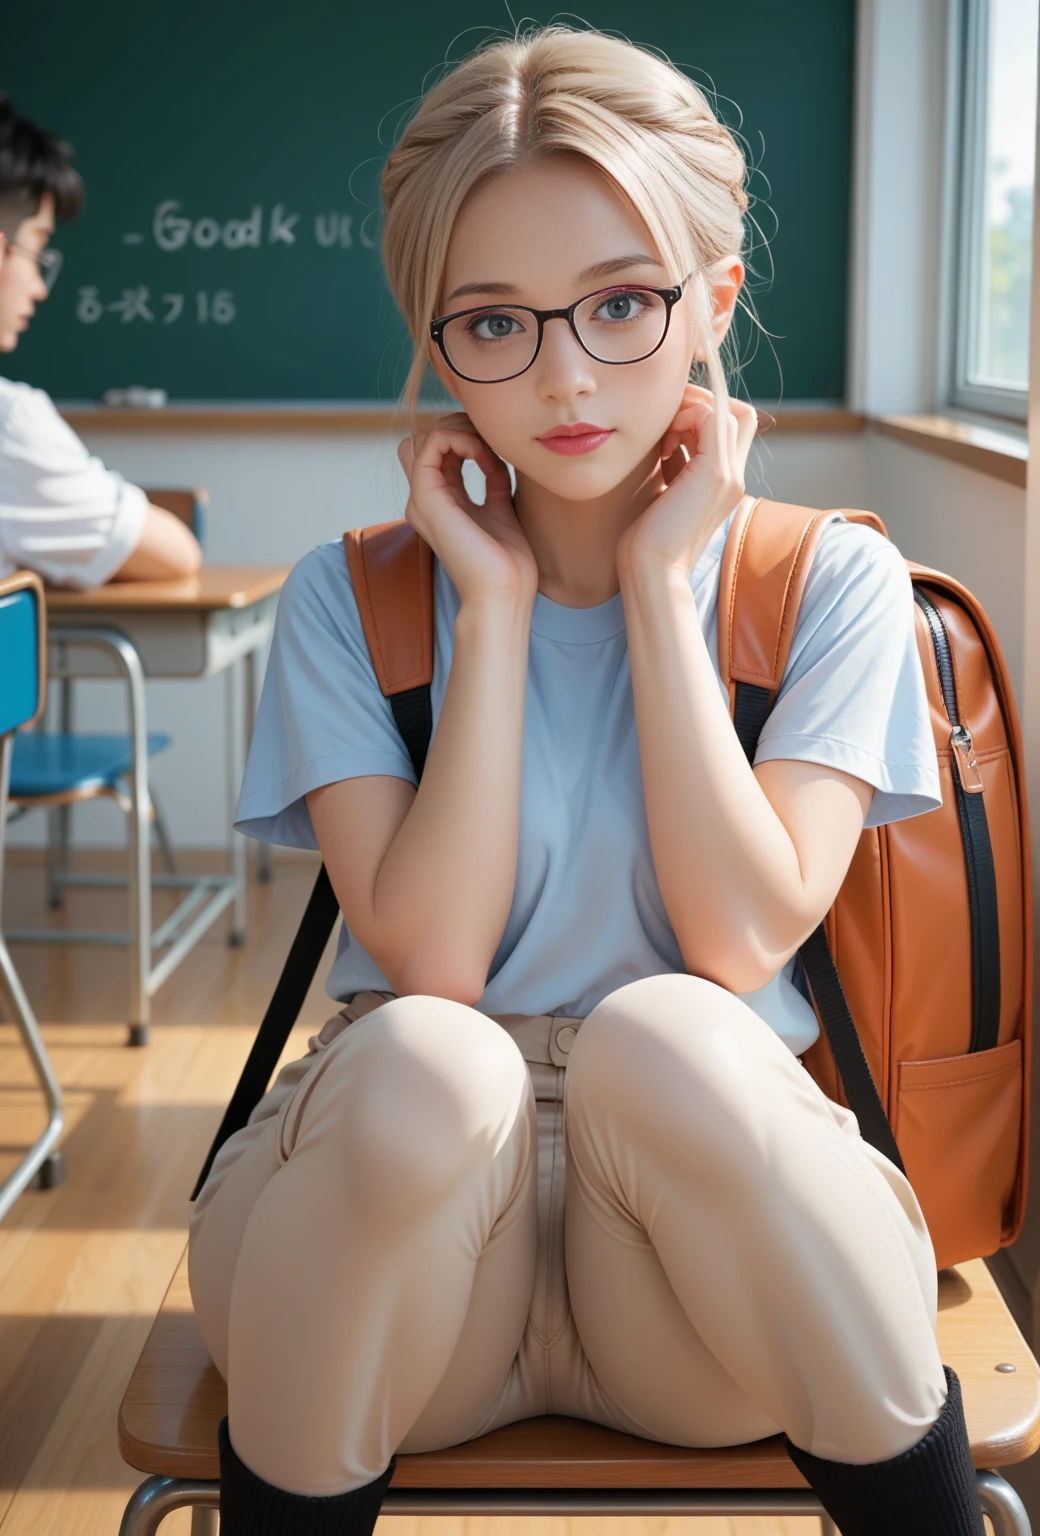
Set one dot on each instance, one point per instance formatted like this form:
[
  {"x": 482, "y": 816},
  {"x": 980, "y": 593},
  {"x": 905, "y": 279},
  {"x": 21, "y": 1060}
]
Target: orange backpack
[{"x": 921, "y": 973}]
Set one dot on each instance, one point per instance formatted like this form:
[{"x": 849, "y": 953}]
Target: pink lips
[{"x": 576, "y": 437}]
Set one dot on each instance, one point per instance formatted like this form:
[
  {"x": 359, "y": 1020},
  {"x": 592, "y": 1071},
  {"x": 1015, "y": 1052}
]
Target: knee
[
  {"x": 414, "y": 1098},
  {"x": 669, "y": 1051}
]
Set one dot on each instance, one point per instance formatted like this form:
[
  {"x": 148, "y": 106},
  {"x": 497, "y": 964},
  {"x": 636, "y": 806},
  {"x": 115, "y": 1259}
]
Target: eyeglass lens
[
  {"x": 619, "y": 326},
  {"x": 50, "y": 265}
]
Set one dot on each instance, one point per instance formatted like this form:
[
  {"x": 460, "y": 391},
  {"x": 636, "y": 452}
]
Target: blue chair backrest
[{"x": 20, "y": 680}]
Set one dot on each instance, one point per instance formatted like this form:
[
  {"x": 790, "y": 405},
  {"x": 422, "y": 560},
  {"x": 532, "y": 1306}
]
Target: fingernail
[{"x": 765, "y": 420}]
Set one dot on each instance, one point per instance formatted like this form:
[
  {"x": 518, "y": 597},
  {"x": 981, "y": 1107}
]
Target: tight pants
[{"x": 438, "y": 1223}]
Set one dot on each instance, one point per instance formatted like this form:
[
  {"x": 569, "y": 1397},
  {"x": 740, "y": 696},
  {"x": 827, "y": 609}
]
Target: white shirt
[{"x": 62, "y": 513}]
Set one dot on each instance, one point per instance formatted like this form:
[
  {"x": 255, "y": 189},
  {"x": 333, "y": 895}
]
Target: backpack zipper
[{"x": 978, "y": 851}]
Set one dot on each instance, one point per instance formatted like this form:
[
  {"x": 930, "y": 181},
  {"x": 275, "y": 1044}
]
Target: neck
[{"x": 574, "y": 543}]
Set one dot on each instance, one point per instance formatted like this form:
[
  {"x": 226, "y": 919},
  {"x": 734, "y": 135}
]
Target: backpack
[{"x": 921, "y": 973}]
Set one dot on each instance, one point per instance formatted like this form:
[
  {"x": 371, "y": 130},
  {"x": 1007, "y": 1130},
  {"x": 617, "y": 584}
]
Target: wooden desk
[
  {"x": 191, "y": 628},
  {"x": 218, "y": 621}
]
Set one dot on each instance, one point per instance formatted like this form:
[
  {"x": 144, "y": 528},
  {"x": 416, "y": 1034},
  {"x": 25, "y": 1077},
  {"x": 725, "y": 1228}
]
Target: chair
[
  {"x": 552, "y": 1466},
  {"x": 23, "y": 684},
  {"x": 53, "y": 771}
]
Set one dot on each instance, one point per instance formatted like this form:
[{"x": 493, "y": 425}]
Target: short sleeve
[
  {"x": 322, "y": 717},
  {"x": 62, "y": 513},
  {"x": 853, "y": 695}
]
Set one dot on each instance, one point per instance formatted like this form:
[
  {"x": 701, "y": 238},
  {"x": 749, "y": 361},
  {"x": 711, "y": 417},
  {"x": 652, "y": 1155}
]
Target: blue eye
[
  {"x": 624, "y": 304},
  {"x": 496, "y": 325}
]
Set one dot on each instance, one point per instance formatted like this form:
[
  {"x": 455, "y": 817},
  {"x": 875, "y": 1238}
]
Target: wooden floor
[{"x": 83, "y": 1269}]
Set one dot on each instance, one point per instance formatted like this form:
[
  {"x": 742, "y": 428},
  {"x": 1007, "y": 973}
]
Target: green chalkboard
[{"x": 231, "y": 155}]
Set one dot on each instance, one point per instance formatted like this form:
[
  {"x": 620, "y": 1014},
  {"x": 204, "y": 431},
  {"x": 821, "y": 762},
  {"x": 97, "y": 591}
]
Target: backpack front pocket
[{"x": 958, "y": 1124}]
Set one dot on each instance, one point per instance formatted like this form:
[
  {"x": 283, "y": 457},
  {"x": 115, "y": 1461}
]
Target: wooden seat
[{"x": 176, "y": 1398}]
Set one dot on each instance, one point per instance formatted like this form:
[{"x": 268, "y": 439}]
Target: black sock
[
  {"x": 251, "y": 1507},
  {"x": 929, "y": 1490}
]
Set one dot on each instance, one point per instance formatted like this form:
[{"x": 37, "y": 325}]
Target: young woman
[{"x": 567, "y": 956}]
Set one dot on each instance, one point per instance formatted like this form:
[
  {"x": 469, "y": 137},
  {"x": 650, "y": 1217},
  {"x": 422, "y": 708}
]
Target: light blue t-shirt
[{"x": 587, "y": 914}]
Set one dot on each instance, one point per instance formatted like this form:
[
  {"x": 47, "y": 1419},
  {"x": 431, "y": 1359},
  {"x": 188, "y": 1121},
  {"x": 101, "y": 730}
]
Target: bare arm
[
  {"x": 775, "y": 842},
  {"x": 425, "y": 878},
  {"x": 748, "y": 861},
  {"x": 166, "y": 551}
]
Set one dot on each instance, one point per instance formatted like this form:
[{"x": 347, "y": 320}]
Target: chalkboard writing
[{"x": 229, "y": 246}]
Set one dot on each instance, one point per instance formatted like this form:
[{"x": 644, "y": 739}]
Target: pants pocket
[{"x": 958, "y": 1125}]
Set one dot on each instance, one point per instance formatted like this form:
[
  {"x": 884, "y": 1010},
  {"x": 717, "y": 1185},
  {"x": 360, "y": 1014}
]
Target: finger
[
  {"x": 687, "y": 427},
  {"x": 441, "y": 441}
]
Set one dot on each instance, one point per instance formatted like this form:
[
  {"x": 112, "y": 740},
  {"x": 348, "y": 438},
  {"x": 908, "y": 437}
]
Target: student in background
[{"x": 62, "y": 513}]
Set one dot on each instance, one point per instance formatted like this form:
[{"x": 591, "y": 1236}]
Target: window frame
[{"x": 971, "y": 20}]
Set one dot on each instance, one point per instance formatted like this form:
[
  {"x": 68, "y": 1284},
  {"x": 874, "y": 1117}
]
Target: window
[{"x": 994, "y": 255}]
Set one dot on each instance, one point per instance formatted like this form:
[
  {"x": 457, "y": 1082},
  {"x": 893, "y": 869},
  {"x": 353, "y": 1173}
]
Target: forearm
[
  {"x": 166, "y": 551},
  {"x": 729, "y": 873},
  {"x": 444, "y": 888}
]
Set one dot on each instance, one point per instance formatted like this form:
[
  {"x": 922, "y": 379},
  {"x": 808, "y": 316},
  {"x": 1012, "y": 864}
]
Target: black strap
[
  {"x": 856, "y": 1078},
  {"x": 413, "y": 714},
  {"x": 751, "y": 708},
  {"x": 282, "y": 1012}
]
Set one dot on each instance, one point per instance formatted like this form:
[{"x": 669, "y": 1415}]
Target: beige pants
[{"x": 381, "y": 1261}]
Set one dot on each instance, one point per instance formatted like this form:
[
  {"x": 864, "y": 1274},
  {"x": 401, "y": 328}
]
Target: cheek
[{"x": 499, "y": 413}]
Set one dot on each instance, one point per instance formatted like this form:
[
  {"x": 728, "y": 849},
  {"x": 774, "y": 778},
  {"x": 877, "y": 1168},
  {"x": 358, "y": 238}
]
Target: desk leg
[
  {"x": 263, "y": 850},
  {"x": 236, "y": 714},
  {"x": 59, "y": 820},
  {"x": 139, "y": 862}
]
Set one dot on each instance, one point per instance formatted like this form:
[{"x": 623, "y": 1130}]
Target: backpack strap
[
  {"x": 391, "y": 570},
  {"x": 765, "y": 566}
]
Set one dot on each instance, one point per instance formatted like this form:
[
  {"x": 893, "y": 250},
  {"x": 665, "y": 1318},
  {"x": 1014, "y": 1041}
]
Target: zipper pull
[{"x": 964, "y": 756}]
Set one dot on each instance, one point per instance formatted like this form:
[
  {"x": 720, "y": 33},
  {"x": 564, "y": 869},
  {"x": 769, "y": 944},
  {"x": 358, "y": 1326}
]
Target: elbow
[
  {"x": 738, "y": 968},
  {"x": 188, "y": 560},
  {"x": 427, "y": 978}
]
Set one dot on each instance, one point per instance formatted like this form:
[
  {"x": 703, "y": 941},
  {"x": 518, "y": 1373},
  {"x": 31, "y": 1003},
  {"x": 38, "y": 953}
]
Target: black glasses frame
[{"x": 671, "y": 297}]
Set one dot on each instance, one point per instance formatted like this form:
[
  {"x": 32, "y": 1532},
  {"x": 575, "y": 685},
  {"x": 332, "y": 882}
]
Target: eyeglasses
[
  {"x": 614, "y": 325},
  {"x": 49, "y": 262}
]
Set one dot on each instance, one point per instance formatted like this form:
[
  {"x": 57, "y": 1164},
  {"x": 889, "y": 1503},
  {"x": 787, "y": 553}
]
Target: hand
[
  {"x": 705, "y": 482},
  {"x": 482, "y": 547}
]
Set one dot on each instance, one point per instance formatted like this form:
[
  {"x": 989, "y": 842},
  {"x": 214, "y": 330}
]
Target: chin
[
  {"x": 8, "y": 341},
  {"x": 579, "y": 479}
]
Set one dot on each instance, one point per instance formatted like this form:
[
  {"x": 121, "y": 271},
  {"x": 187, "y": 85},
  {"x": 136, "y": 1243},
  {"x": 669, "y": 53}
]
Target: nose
[{"x": 565, "y": 371}]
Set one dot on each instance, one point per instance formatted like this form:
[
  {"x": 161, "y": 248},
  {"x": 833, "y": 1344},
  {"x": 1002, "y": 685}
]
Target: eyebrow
[{"x": 599, "y": 269}]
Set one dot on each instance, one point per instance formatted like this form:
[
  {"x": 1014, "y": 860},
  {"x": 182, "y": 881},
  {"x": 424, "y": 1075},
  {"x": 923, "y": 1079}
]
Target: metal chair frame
[
  {"x": 206, "y": 896},
  {"x": 43, "y": 1161},
  {"x": 158, "y": 1496}
]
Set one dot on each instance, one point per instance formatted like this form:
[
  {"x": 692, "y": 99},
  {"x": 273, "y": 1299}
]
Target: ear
[
  {"x": 444, "y": 374},
  {"x": 725, "y": 291}
]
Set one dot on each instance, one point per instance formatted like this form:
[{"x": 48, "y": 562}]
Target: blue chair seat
[{"x": 54, "y": 764}]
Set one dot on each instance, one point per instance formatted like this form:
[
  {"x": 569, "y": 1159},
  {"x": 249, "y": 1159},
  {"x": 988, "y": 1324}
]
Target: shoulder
[
  {"x": 317, "y": 611},
  {"x": 31, "y": 426},
  {"x": 855, "y": 566},
  {"x": 320, "y": 585},
  {"x": 24, "y": 409}
]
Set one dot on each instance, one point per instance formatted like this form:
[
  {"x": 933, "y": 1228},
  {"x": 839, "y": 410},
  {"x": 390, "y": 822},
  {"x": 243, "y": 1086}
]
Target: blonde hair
[{"x": 557, "y": 90}]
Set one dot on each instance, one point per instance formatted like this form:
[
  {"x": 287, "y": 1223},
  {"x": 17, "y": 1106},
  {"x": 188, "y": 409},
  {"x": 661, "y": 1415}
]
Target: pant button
[{"x": 565, "y": 1039}]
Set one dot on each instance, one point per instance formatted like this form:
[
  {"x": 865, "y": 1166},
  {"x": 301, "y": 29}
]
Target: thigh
[
  {"x": 784, "y": 1261},
  {"x": 216, "y": 1230},
  {"x": 654, "y": 1372}
]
